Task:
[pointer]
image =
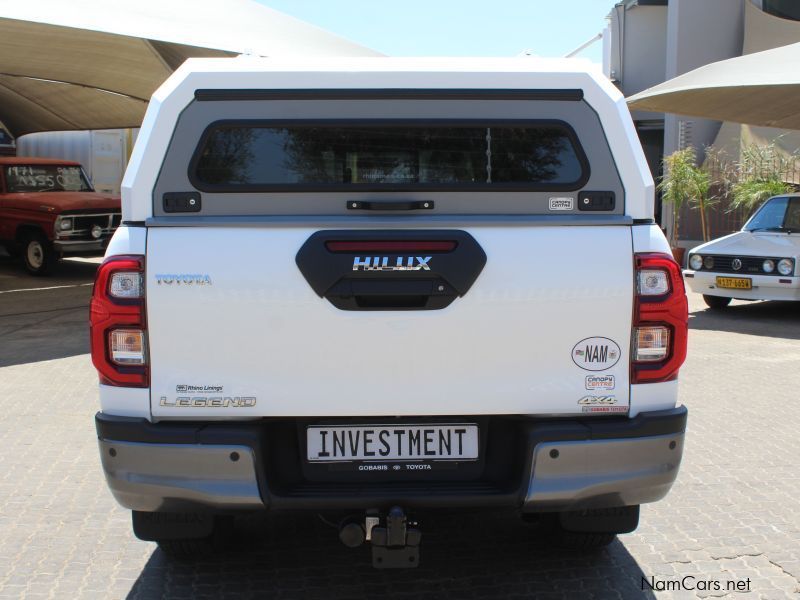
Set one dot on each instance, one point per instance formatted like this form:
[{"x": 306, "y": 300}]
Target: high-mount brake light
[
  {"x": 391, "y": 246},
  {"x": 661, "y": 319},
  {"x": 118, "y": 332}
]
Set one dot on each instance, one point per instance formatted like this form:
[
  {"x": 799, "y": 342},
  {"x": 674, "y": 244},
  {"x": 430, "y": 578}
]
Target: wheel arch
[{"x": 25, "y": 229}]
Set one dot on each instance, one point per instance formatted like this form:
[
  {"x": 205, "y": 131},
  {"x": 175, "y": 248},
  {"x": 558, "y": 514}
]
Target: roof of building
[
  {"x": 33, "y": 160},
  {"x": 758, "y": 89},
  {"x": 95, "y": 64}
]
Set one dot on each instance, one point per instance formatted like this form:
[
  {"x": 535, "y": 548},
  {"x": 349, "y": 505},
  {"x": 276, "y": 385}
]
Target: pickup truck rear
[{"x": 373, "y": 287}]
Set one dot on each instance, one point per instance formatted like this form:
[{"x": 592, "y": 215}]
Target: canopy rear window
[{"x": 267, "y": 156}]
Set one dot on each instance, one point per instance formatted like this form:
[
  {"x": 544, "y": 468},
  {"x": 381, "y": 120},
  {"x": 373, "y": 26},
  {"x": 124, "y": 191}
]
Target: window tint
[
  {"x": 786, "y": 9},
  {"x": 375, "y": 155},
  {"x": 792, "y": 220}
]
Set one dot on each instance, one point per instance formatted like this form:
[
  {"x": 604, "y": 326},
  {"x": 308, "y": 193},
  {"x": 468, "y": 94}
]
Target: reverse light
[
  {"x": 126, "y": 284},
  {"x": 661, "y": 319},
  {"x": 118, "y": 332},
  {"x": 696, "y": 262},
  {"x": 768, "y": 266},
  {"x": 785, "y": 266},
  {"x": 653, "y": 282}
]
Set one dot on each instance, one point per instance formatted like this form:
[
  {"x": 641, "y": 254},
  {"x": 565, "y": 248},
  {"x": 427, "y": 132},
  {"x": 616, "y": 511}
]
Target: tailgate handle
[
  {"x": 181, "y": 202},
  {"x": 388, "y": 295},
  {"x": 390, "y": 205}
]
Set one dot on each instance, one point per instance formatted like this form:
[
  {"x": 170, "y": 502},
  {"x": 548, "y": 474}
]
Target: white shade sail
[
  {"x": 93, "y": 64},
  {"x": 758, "y": 89}
]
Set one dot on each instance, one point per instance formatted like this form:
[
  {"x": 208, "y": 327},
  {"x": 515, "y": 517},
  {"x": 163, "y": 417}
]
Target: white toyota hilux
[{"x": 367, "y": 288}]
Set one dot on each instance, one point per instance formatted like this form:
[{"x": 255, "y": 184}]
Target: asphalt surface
[{"x": 733, "y": 515}]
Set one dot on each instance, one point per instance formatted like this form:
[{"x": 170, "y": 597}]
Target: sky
[{"x": 459, "y": 27}]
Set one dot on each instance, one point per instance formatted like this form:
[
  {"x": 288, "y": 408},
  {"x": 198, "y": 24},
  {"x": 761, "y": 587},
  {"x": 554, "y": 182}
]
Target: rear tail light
[
  {"x": 661, "y": 320},
  {"x": 118, "y": 332},
  {"x": 651, "y": 344},
  {"x": 126, "y": 346},
  {"x": 126, "y": 284},
  {"x": 653, "y": 282}
]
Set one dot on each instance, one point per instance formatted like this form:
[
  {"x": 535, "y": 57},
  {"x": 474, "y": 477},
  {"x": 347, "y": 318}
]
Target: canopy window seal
[
  {"x": 488, "y": 185},
  {"x": 221, "y": 95}
]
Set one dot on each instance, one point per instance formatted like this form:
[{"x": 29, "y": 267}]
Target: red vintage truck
[{"x": 48, "y": 210}]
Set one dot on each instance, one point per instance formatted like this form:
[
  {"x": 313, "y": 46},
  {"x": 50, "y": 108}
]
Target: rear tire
[
  {"x": 38, "y": 254},
  {"x": 716, "y": 302},
  {"x": 588, "y": 529}
]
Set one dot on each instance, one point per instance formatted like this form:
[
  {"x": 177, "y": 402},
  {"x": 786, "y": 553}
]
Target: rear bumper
[
  {"x": 68, "y": 247},
  {"x": 565, "y": 465}
]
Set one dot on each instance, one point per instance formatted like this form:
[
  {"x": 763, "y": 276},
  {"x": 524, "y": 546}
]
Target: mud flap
[
  {"x": 623, "y": 519},
  {"x": 157, "y": 526}
]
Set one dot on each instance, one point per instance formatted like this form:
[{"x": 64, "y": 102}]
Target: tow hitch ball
[{"x": 394, "y": 539}]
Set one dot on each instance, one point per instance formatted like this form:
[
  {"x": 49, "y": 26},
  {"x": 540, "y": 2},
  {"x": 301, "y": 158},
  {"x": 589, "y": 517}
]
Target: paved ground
[{"x": 733, "y": 515}]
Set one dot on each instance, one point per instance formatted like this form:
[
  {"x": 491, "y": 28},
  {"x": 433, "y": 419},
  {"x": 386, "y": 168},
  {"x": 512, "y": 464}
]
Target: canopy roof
[
  {"x": 93, "y": 64},
  {"x": 757, "y": 89}
]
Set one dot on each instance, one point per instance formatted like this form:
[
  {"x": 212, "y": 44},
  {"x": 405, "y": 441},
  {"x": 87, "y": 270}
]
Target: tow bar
[{"x": 394, "y": 539}]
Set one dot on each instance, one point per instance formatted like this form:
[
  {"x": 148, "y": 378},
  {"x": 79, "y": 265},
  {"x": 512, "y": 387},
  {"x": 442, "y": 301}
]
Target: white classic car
[{"x": 757, "y": 263}]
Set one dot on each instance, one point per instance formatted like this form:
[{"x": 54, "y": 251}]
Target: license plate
[
  {"x": 435, "y": 441},
  {"x": 735, "y": 283}
]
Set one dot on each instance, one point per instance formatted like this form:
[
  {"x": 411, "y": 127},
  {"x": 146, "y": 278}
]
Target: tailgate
[{"x": 236, "y": 330}]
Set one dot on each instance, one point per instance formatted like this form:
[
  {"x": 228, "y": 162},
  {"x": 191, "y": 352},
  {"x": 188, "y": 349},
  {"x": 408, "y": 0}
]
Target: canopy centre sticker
[
  {"x": 599, "y": 382},
  {"x": 596, "y": 353}
]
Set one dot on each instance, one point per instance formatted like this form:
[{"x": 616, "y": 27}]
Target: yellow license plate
[{"x": 735, "y": 283}]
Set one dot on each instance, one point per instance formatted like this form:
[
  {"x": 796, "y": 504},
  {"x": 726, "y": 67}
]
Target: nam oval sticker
[{"x": 595, "y": 354}]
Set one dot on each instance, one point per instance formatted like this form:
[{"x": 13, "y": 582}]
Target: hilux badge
[{"x": 381, "y": 263}]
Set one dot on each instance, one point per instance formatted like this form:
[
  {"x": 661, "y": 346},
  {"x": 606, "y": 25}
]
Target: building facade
[{"x": 650, "y": 41}]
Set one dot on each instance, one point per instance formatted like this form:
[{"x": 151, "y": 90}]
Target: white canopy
[
  {"x": 758, "y": 89},
  {"x": 93, "y": 64}
]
